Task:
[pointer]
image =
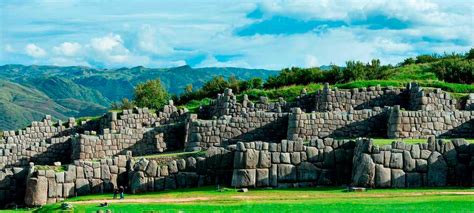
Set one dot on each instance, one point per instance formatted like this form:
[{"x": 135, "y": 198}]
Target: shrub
[
  {"x": 455, "y": 70},
  {"x": 426, "y": 59},
  {"x": 123, "y": 104},
  {"x": 151, "y": 94}
]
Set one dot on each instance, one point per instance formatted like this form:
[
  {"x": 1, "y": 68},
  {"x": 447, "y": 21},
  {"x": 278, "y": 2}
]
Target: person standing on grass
[
  {"x": 121, "y": 190},
  {"x": 116, "y": 191}
]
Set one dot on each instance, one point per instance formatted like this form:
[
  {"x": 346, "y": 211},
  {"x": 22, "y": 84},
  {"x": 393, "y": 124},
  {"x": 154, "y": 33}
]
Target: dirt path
[{"x": 257, "y": 197}]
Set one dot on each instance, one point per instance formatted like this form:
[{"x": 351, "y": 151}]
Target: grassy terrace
[
  {"x": 384, "y": 141},
  {"x": 208, "y": 199}
]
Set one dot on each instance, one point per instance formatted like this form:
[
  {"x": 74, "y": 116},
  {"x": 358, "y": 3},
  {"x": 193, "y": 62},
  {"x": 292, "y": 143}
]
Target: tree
[
  {"x": 455, "y": 71},
  {"x": 470, "y": 54},
  {"x": 408, "y": 61},
  {"x": 151, "y": 94}
]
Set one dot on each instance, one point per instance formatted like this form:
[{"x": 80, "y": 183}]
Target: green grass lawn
[{"x": 284, "y": 200}]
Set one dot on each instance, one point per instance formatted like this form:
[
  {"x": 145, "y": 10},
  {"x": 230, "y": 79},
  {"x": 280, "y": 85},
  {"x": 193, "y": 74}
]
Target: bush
[
  {"x": 123, "y": 104},
  {"x": 151, "y": 94},
  {"x": 426, "y": 59},
  {"x": 455, "y": 70}
]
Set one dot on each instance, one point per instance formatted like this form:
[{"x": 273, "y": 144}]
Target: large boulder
[
  {"x": 36, "y": 191},
  {"x": 409, "y": 164},
  {"x": 251, "y": 158},
  {"x": 363, "y": 171},
  {"x": 396, "y": 160},
  {"x": 398, "y": 178},
  {"x": 265, "y": 160},
  {"x": 82, "y": 186},
  {"x": 286, "y": 173},
  {"x": 141, "y": 165},
  {"x": 382, "y": 176},
  {"x": 152, "y": 169},
  {"x": 307, "y": 172},
  {"x": 437, "y": 170},
  {"x": 262, "y": 177},
  {"x": 138, "y": 182},
  {"x": 413, "y": 179},
  {"x": 312, "y": 153},
  {"x": 244, "y": 178}
]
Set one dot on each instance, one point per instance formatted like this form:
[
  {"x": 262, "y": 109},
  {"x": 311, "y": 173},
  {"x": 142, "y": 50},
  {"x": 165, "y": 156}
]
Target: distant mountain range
[{"x": 29, "y": 92}]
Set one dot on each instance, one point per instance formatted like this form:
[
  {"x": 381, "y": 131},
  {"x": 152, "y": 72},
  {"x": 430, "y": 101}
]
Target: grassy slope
[{"x": 288, "y": 200}]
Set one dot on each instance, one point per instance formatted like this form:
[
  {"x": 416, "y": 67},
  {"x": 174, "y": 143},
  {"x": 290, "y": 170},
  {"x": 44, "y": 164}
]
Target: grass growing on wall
[
  {"x": 173, "y": 155},
  {"x": 289, "y": 93},
  {"x": 61, "y": 168},
  {"x": 385, "y": 141},
  {"x": 332, "y": 199},
  {"x": 194, "y": 105}
]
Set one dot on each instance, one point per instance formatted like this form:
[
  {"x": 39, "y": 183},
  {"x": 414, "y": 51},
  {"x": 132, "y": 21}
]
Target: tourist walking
[
  {"x": 121, "y": 190},
  {"x": 116, "y": 191}
]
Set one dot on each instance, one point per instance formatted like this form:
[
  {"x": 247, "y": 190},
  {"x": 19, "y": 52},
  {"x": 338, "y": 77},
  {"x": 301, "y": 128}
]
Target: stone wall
[
  {"x": 422, "y": 99},
  {"x": 470, "y": 102},
  {"x": 292, "y": 163},
  {"x": 226, "y": 104},
  {"x": 228, "y": 130},
  {"x": 43, "y": 142},
  {"x": 364, "y": 98},
  {"x": 422, "y": 124},
  {"x": 354, "y": 123},
  {"x": 399, "y": 165},
  {"x": 12, "y": 186},
  {"x": 140, "y": 141},
  {"x": 142, "y": 118},
  {"x": 80, "y": 178},
  {"x": 215, "y": 167}
]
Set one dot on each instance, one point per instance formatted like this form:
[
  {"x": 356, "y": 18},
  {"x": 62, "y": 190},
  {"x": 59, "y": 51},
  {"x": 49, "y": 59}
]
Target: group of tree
[
  {"x": 353, "y": 71},
  {"x": 455, "y": 68}
]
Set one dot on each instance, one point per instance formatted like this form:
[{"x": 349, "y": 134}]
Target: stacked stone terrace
[{"x": 247, "y": 144}]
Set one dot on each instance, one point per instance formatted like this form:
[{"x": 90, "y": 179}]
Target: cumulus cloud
[
  {"x": 68, "y": 49},
  {"x": 111, "y": 50},
  {"x": 152, "y": 41},
  {"x": 108, "y": 43},
  {"x": 35, "y": 51}
]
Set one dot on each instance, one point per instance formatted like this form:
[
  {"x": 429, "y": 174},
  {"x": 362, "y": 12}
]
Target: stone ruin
[{"x": 247, "y": 144}]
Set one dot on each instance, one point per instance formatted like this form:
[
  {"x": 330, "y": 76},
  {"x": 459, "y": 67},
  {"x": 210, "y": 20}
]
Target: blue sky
[{"x": 251, "y": 34}]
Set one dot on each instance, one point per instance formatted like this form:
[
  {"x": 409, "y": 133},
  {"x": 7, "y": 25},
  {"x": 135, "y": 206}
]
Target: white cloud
[
  {"x": 68, "y": 49},
  {"x": 35, "y": 51},
  {"x": 152, "y": 41},
  {"x": 107, "y": 43},
  {"x": 111, "y": 51}
]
